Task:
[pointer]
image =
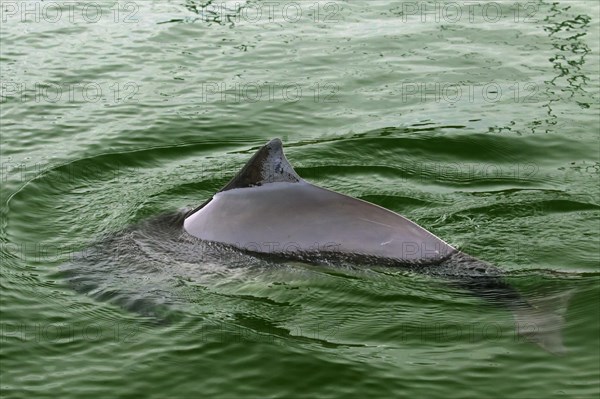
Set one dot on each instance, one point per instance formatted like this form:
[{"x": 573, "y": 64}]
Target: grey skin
[{"x": 268, "y": 209}]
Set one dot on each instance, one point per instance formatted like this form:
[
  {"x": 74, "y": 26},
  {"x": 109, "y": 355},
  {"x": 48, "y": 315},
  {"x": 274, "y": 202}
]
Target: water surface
[{"x": 480, "y": 123}]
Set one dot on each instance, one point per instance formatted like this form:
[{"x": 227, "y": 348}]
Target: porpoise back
[{"x": 268, "y": 208}]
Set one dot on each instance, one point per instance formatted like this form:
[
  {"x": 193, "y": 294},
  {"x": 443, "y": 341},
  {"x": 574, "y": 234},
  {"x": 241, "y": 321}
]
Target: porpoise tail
[
  {"x": 539, "y": 320},
  {"x": 543, "y": 320}
]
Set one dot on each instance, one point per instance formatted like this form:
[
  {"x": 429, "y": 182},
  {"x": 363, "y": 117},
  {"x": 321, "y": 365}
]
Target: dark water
[{"x": 479, "y": 122}]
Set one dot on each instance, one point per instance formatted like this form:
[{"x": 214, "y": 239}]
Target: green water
[{"x": 479, "y": 122}]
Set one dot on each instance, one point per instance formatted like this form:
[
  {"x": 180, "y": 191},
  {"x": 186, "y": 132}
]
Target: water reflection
[
  {"x": 220, "y": 13},
  {"x": 566, "y": 33}
]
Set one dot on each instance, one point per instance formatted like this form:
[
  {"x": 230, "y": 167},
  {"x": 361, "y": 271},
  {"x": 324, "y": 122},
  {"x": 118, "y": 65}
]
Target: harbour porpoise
[{"x": 267, "y": 208}]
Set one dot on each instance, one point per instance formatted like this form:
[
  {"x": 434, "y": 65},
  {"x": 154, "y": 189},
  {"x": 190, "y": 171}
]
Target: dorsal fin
[{"x": 268, "y": 165}]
